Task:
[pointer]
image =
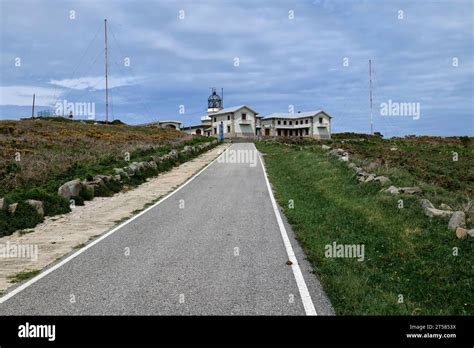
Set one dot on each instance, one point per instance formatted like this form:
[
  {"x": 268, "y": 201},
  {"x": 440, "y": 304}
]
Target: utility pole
[
  {"x": 33, "y": 109},
  {"x": 370, "y": 98},
  {"x": 106, "y": 77},
  {"x": 222, "y": 98}
]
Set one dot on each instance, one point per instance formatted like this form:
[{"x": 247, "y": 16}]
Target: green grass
[
  {"x": 21, "y": 276},
  {"x": 406, "y": 253}
]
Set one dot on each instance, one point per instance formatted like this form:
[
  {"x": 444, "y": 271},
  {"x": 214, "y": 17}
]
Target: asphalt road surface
[{"x": 214, "y": 247}]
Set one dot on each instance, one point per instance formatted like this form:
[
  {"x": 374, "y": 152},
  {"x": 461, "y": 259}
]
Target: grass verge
[{"x": 408, "y": 256}]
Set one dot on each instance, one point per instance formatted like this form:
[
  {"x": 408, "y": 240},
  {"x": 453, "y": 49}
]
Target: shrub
[{"x": 25, "y": 216}]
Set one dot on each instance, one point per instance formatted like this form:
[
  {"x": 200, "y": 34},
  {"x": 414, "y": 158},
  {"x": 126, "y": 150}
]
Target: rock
[
  {"x": 153, "y": 165},
  {"x": 351, "y": 165},
  {"x": 461, "y": 232},
  {"x": 174, "y": 154},
  {"x": 325, "y": 147},
  {"x": 105, "y": 178},
  {"x": 470, "y": 233},
  {"x": 369, "y": 178},
  {"x": 361, "y": 178},
  {"x": 12, "y": 208},
  {"x": 458, "y": 219},
  {"x": 117, "y": 177},
  {"x": 70, "y": 189},
  {"x": 431, "y": 212},
  {"x": 3, "y": 204},
  {"x": 358, "y": 170},
  {"x": 393, "y": 149},
  {"x": 336, "y": 152},
  {"x": 410, "y": 190},
  {"x": 121, "y": 173},
  {"x": 445, "y": 207},
  {"x": 38, "y": 205},
  {"x": 383, "y": 180},
  {"x": 393, "y": 190},
  {"x": 344, "y": 158},
  {"x": 426, "y": 203}
]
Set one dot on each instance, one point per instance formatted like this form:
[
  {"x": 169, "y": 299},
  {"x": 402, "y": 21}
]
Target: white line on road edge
[
  {"x": 303, "y": 289},
  {"x": 69, "y": 258}
]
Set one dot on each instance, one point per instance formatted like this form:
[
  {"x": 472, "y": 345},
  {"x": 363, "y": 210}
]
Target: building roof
[
  {"x": 231, "y": 109},
  {"x": 169, "y": 121},
  {"x": 295, "y": 115}
]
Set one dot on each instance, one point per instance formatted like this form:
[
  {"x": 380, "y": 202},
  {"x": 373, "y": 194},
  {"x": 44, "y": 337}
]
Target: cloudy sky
[{"x": 269, "y": 55}]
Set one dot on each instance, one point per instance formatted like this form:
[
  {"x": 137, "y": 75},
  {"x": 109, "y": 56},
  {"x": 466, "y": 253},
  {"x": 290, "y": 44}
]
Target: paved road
[{"x": 183, "y": 260}]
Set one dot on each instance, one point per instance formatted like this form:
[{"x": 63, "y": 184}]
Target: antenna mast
[
  {"x": 222, "y": 98},
  {"x": 370, "y": 98},
  {"x": 33, "y": 109},
  {"x": 106, "y": 77}
]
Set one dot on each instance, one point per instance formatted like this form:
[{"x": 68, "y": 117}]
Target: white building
[
  {"x": 244, "y": 122},
  {"x": 315, "y": 124},
  {"x": 169, "y": 124}
]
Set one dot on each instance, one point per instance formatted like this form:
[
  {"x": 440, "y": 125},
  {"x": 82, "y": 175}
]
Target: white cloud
[
  {"x": 96, "y": 82},
  {"x": 23, "y": 95}
]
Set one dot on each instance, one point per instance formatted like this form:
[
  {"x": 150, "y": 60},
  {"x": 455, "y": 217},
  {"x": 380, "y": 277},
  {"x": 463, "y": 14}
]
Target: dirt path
[{"x": 59, "y": 235}]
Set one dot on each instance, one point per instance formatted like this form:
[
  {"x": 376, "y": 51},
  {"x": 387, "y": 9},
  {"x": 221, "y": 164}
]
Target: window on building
[
  {"x": 291, "y": 122},
  {"x": 215, "y": 130},
  {"x": 279, "y": 131},
  {"x": 306, "y": 122},
  {"x": 228, "y": 117},
  {"x": 320, "y": 120},
  {"x": 244, "y": 116},
  {"x": 279, "y": 122},
  {"x": 228, "y": 129},
  {"x": 307, "y": 131},
  {"x": 296, "y": 122},
  {"x": 215, "y": 119},
  {"x": 284, "y": 122}
]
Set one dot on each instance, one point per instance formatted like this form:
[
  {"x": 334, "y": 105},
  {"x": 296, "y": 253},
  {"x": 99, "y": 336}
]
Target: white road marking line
[
  {"x": 80, "y": 251},
  {"x": 303, "y": 289}
]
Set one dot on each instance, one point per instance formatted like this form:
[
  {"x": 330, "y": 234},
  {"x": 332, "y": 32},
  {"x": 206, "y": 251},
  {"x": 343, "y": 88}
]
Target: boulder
[
  {"x": 344, "y": 158},
  {"x": 461, "y": 232},
  {"x": 393, "y": 149},
  {"x": 38, "y": 205},
  {"x": 174, "y": 154},
  {"x": 458, "y": 219},
  {"x": 104, "y": 178},
  {"x": 152, "y": 164},
  {"x": 470, "y": 233},
  {"x": 369, "y": 178},
  {"x": 425, "y": 203},
  {"x": 3, "y": 204},
  {"x": 351, "y": 165},
  {"x": 70, "y": 189},
  {"x": 383, "y": 180},
  {"x": 325, "y": 147},
  {"x": 120, "y": 172},
  {"x": 117, "y": 177},
  {"x": 393, "y": 190},
  {"x": 410, "y": 190},
  {"x": 12, "y": 208},
  {"x": 431, "y": 212},
  {"x": 445, "y": 207}
]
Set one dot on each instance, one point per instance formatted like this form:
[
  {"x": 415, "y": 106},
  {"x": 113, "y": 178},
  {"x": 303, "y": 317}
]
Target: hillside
[{"x": 38, "y": 156}]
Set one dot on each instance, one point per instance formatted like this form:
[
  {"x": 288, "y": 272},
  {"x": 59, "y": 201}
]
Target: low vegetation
[
  {"x": 412, "y": 265},
  {"x": 38, "y": 156}
]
